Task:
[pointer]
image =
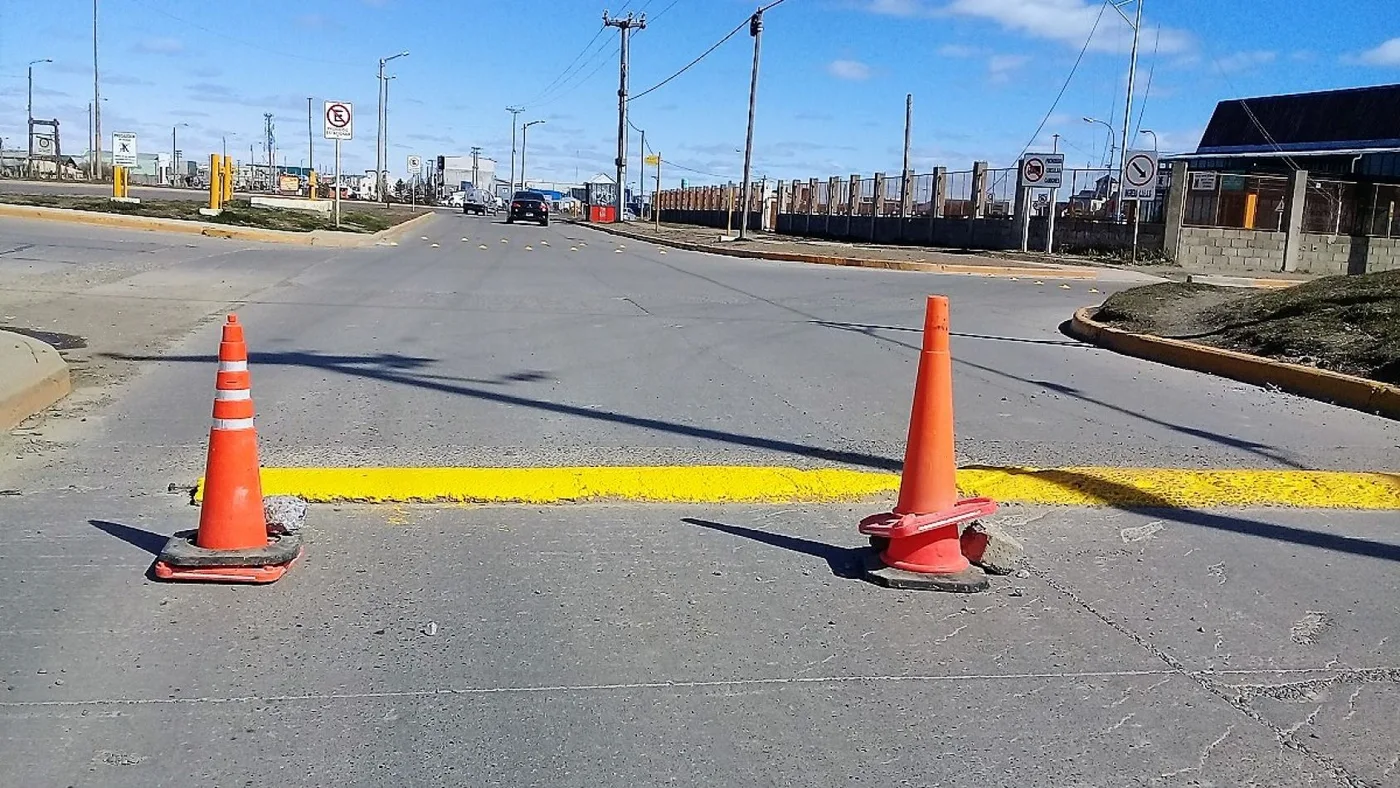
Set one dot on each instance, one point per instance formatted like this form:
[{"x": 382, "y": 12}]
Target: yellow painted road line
[{"x": 1120, "y": 487}]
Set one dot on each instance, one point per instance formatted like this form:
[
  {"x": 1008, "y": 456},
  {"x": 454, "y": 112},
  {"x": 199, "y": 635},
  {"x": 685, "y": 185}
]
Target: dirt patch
[
  {"x": 1347, "y": 324},
  {"x": 239, "y": 213}
]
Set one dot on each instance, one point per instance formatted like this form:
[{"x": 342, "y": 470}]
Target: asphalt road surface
[{"x": 636, "y": 645}]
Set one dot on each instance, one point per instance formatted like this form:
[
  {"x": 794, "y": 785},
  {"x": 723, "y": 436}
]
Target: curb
[
  {"x": 33, "y": 376},
  {"x": 1319, "y": 384},
  {"x": 1242, "y": 281},
  {"x": 154, "y": 224},
  {"x": 1065, "y": 272},
  {"x": 728, "y": 484}
]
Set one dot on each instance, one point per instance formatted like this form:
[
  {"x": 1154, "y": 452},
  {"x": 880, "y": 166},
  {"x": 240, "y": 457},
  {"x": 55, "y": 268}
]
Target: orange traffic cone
[
  {"x": 920, "y": 536},
  {"x": 232, "y": 543}
]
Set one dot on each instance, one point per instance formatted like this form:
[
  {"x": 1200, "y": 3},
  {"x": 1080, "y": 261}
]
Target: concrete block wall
[
  {"x": 1225, "y": 249},
  {"x": 1085, "y": 235},
  {"x": 1326, "y": 255}
]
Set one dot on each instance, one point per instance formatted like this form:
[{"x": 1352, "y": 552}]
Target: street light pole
[
  {"x": 514, "y": 116},
  {"x": 1128, "y": 102},
  {"x": 385, "y": 194},
  {"x": 380, "y": 151},
  {"x": 96, "y": 103},
  {"x": 1154, "y": 137},
  {"x": 524, "y": 129}
]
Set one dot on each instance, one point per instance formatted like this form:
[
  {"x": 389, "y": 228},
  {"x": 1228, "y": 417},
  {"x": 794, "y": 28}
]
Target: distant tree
[{"x": 400, "y": 189}]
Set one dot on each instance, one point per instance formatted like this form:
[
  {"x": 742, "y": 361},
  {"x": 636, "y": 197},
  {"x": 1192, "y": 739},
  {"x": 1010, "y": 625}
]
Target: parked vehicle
[
  {"x": 475, "y": 202},
  {"x": 529, "y": 205}
]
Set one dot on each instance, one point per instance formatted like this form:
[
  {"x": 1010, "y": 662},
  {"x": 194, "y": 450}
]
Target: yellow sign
[{"x": 654, "y": 159}]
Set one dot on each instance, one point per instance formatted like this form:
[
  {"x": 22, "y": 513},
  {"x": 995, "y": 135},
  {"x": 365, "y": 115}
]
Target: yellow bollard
[
  {"x": 311, "y": 185},
  {"x": 116, "y": 182},
  {"x": 216, "y": 165}
]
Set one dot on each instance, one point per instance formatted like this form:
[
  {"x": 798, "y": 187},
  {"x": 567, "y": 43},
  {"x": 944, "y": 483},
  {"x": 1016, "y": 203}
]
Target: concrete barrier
[
  {"x": 33, "y": 376},
  {"x": 292, "y": 204}
]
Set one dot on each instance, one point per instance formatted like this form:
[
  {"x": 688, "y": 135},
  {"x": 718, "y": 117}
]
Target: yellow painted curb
[
  {"x": 1346, "y": 390},
  {"x": 1045, "y": 272},
  {"x": 1120, "y": 487}
]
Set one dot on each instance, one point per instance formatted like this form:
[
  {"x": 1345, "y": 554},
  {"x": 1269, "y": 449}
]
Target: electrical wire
[
  {"x": 564, "y": 91},
  {"x": 688, "y": 66},
  {"x": 1065, "y": 86},
  {"x": 1147, "y": 91},
  {"x": 569, "y": 67}
]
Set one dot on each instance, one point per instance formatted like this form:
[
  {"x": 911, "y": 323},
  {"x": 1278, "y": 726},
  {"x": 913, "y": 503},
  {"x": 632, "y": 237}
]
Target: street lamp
[
  {"x": 1107, "y": 125},
  {"x": 1154, "y": 137},
  {"x": 524, "y": 129},
  {"x": 173, "y": 150},
  {"x": 30, "y": 109},
  {"x": 386, "y": 132},
  {"x": 225, "y": 140},
  {"x": 380, "y": 151}
]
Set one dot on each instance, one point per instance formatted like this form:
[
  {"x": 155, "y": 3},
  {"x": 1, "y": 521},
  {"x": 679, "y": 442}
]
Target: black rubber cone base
[{"x": 971, "y": 581}]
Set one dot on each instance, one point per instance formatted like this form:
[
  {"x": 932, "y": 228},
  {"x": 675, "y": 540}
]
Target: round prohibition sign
[
  {"x": 1140, "y": 170},
  {"x": 1035, "y": 170},
  {"x": 338, "y": 115}
]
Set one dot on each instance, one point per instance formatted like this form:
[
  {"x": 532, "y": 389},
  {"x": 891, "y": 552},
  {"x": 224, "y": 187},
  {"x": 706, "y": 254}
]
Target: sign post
[
  {"x": 1039, "y": 171},
  {"x": 340, "y": 125},
  {"x": 656, "y": 195},
  {"x": 415, "y": 166},
  {"x": 1139, "y": 183}
]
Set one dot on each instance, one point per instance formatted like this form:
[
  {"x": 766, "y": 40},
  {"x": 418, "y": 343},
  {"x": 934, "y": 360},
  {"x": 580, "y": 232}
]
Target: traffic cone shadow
[
  {"x": 233, "y": 543},
  {"x": 919, "y": 539}
]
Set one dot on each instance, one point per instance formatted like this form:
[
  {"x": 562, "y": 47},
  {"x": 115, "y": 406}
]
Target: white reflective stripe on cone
[
  {"x": 233, "y": 424},
  {"x": 233, "y": 366},
  {"x": 234, "y": 395}
]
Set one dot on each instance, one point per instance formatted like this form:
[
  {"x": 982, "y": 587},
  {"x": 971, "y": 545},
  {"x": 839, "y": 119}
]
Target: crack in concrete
[
  {"x": 1303, "y": 691},
  {"x": 1205, "y": 753},
  {"x": 1239, "y": 699}
]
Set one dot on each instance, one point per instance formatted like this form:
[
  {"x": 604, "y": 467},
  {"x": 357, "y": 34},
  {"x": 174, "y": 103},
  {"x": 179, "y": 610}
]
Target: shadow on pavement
[
  {"x": 392, "y": 368},
  {"x": 1136, "y": 499},
  {"x": 865, "y": 328},
  {"x": 149, "y": 541},
  {"x": 845, "y": 562}
]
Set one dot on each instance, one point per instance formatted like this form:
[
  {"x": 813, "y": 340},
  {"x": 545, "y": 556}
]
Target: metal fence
[
  {"x": 1259, "y": 202},
  {"x": 1382, "y": 217}
]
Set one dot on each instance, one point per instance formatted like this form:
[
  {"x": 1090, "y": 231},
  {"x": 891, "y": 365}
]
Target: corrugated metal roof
[{"x": 1331, "y": 121}]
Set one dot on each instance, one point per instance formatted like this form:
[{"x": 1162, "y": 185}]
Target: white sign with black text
[
  {"x": 1140, "y": 175},
  {"x": 340, "y": 120},
  {"x": 1042, "y": 170},
  {"x": 123, "y": 149},
  {"x": 1203, "y": 181}
]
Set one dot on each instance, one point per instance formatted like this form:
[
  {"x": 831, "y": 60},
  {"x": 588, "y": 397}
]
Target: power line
[
  {"x": 564, "y": 91},
  {"x": 663, "y": 11},
  {"x": 570, "y": 66},
  {"x": 1069, "y": 77},
  {"x": 1147, "y": 91},
  {"x": 687, "y": 66}
]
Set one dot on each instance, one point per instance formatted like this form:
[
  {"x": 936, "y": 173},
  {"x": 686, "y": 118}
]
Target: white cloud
[
  {"x": 1386, "y": 54},
  {"x": 852, "y": 70},
  {"x": 958, "y": 50},
  {"x": 1069, "y": 22},
  {"x": 897, "y": 7},
  {"x": 1244, "y": 61},
  {"x": 160, "y": 46},
  {"x": 1000, "y": 67}
]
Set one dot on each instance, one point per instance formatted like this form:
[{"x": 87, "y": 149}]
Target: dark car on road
[
  {"x": 529, "y": 205},
  {"x": 475, "y": 202}
]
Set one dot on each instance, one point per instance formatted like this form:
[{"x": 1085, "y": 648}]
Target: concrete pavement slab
[
  {"x": 456, "y": 356},
  {"x": 588, "y": 645}
]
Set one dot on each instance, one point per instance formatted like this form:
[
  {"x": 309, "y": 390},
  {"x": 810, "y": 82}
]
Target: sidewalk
[{"x": 908, "y": 258}]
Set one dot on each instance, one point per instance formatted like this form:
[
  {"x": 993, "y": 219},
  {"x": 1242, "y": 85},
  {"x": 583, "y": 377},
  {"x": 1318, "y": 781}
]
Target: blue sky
[{"x": 831, "y": 99}]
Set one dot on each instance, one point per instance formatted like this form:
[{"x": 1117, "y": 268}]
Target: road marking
[
  {"x": 504, "y": 241},
  {"x": 464, "y": 240},
  {"x": 529, "y": 248},
  {"x": 435, "y": 246},
  {"x": 483, "y": 246},
  {"x": 1088, "y": 486}
]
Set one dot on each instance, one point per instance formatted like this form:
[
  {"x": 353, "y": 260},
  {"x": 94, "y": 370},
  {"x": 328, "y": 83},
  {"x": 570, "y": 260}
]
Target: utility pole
[
  {"x": 514, "y": 116},
  {"x": 523, "y": 131},
  {"x": 96, "y": 104},
  {"x": 310, "y": 142},
  {"x": 904, "y": 183},
  {"x": 1128, "y": 102},
  {"x": 641, "y": 172},
  {"x": 271, "y": 152},
  {"x": 476, "y": 168},
  {"x": 385, "y": 194},
  {"x": 755, "y": 30},
  {"x": 625, "y": 26}
]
